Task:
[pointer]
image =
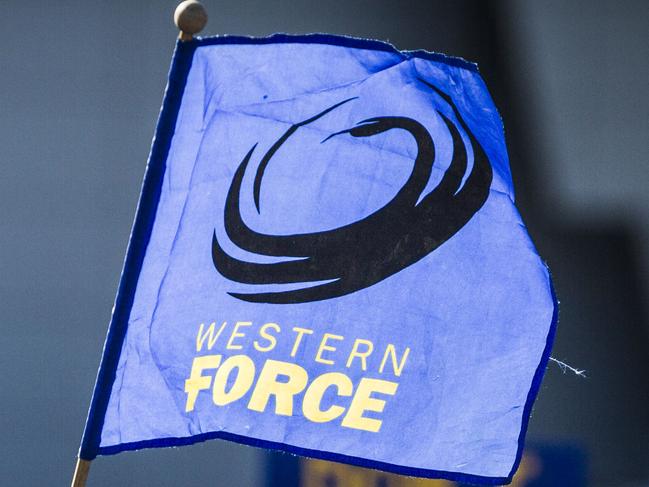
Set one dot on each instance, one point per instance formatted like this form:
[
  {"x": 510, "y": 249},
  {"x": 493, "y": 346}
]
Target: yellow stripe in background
[{"x": 318, "y": 473}]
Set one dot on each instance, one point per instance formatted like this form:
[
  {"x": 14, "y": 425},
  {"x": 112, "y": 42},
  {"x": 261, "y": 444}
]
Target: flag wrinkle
[
  {"x": 155, "y": 358},
  {"x": 325, "y": 89},
  {"x": 342, "y": 41},
  {"x": 314, "y": 127}
]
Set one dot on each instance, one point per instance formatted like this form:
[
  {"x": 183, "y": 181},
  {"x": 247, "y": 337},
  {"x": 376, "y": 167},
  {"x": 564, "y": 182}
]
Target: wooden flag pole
[
  {"x": 190, "y": 17},
  {"x": 81, "y": 473}
]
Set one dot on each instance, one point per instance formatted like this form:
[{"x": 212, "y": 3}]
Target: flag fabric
[{"x": 327, "y": 260}]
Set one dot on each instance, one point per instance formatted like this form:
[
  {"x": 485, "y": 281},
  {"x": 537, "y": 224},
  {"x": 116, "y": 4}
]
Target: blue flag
[{"x": 327, "y": 260}]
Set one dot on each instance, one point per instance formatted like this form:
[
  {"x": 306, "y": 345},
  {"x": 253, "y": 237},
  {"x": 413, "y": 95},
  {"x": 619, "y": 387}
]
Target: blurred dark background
[{"x": 81, "y": 83}]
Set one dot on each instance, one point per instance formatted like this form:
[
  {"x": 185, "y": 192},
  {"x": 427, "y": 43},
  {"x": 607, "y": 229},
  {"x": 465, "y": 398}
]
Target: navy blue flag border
[{"x": 139, "y": 240}]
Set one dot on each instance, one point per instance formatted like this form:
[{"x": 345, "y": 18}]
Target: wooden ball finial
[{"x": 190, "y": 17}]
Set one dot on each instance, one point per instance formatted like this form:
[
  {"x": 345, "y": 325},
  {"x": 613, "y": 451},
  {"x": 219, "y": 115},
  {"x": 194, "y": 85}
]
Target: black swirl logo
[{"x": 365, "y": 252}]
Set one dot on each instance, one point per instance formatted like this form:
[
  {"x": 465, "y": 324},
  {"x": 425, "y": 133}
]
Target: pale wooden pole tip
[
  {"x": 81, "y": 473},
  {"x": 190, "y": 17}
]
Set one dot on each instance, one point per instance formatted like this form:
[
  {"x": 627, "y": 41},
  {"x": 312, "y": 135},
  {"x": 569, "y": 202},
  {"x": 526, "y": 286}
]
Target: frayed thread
[{"x": 565, "y": 368}]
